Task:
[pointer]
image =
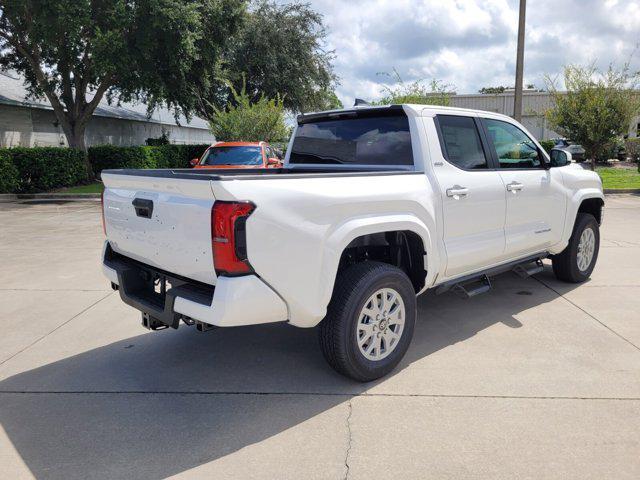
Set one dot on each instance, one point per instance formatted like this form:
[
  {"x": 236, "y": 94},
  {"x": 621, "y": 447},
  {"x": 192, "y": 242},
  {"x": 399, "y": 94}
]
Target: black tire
[
  {"x": 338, "y": 334},
  {"x": 565, "y": 264}
]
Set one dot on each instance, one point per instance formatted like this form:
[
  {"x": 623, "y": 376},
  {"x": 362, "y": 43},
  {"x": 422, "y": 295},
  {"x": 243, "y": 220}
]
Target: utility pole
[{"x": 517, "y": 99}]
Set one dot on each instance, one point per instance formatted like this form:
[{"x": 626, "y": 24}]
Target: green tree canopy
[
  {"x": 280, "y": 51},
  {"x": 596, "y": 108},
  {"x": 246, "y": 119},
  {"x": 76, "y": 52}
]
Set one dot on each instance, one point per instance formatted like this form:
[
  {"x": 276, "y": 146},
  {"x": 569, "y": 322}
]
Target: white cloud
[{"x": 471, "y": 43}]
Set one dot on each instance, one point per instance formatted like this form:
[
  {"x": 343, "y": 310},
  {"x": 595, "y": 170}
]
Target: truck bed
[{"x": 263, "y": 173}]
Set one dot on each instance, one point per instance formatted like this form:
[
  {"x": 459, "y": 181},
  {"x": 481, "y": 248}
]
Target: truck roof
[{"x": 418, "y": 110}]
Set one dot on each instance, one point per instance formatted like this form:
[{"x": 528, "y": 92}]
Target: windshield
[
  {"x": 233, "y": 156},
  {"x": 372, "y": 140}
]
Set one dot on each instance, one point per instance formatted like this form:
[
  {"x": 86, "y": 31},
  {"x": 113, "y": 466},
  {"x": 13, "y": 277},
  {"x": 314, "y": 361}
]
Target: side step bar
[
  {"x": 475, "y": 284},
  {"x": 473, "y": 288},
  {"x": 526, "y": 270}
]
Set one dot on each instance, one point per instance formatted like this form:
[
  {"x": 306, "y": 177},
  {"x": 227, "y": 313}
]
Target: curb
[
  {"x": 9, "y": 197},
  {"x": 609, "y": 191}
]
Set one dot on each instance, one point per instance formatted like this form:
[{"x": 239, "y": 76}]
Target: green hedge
[
  {"x": 8, "y": 174},
  {"x": 165, "y": 156},
  {"x": 41, "y": 169},
  {"x": 547, "y": 145}
]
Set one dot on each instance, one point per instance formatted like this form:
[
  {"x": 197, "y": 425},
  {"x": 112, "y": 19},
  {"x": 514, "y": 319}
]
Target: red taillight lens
[
  {"x": 104, "y": 225},
  {"x": 228, "y": 237}
]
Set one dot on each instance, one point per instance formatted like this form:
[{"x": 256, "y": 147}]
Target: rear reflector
[
  {"x": 104, "y": 225},
  {"x": 228, "y": 237}
]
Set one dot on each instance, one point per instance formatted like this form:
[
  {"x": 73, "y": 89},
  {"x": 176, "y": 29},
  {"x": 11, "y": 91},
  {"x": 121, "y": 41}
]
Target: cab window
[
  {"x": 461, "y": 143},
  {"x": 513, "y": 147},
  {"x": 363, "y": 138}
]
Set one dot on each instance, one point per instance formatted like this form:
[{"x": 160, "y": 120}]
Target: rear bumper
[{"x": 234, "y": 301}]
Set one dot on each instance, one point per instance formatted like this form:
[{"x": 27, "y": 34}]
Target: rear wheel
[
  {"x": 577, "y": 261},
  {"x": 369, "y": 322}
]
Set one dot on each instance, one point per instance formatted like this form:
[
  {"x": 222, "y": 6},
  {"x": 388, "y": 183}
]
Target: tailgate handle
[{"x": 143, "y": 206}]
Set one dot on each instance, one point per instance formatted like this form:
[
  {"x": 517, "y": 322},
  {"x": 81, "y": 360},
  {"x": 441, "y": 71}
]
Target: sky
[{"x": 470, "y": 44}]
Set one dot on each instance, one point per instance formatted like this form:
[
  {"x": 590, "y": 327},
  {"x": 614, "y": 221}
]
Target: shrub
[
  {"x": 249, "y": 120},
  {"x": 435, "y": 92},
  {"x": 156, "y": 142},
  {"x": 547, "y": 145},
  {"x": 632, "y": 146},
  {"x": 42, "y": 169},
  {"x": 8, "y": 174},
  {"x": 105, "y": 157},
  {"x": 165, "y": 156}
]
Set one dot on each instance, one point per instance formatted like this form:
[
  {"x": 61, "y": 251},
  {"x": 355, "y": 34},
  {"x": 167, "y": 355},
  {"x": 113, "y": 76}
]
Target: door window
[
  {"x": 513, "y": 147},
  {"x": 461, "y": 143}
]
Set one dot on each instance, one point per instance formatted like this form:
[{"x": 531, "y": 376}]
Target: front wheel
[
  {"x": 576, "y": 262},
  {"x": 369, "y": 322}
]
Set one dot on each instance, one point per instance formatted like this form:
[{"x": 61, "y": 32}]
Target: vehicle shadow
[{"x": 155, "y": 405}]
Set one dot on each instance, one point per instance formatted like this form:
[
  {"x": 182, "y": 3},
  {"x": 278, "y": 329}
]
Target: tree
[
  {"x": 596, "y": 108},
  {"x": 435, "y": 92},
  {"x": 76, "y": 52},
  {"x": 248, "y": 120},
  {"x": 492, "y": 90},
  {"x": 280, "y": 52}
]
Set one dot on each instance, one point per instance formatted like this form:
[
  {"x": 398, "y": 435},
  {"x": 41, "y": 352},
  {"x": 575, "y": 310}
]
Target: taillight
[
  {"x": 104, "y": 225},
  {"x": 228, "y": 237}
]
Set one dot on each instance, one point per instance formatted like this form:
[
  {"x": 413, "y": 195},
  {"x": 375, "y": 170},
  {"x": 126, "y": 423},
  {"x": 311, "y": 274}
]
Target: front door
[
  {"x": 473, "y": 198},
  {"x": 535, "y": 199}
]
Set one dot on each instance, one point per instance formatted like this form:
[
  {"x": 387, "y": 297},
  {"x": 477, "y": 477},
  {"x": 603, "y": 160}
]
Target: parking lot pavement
[{"x": 536, "y": 379}]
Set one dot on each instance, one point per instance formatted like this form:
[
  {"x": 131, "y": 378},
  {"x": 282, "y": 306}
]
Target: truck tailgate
[{"x": 162, "y": 222}]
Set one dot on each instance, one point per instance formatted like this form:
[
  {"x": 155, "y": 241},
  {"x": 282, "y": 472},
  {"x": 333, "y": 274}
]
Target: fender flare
[
  {"x": 573, "y": 205},
  {"x": 345, "y": 233}
]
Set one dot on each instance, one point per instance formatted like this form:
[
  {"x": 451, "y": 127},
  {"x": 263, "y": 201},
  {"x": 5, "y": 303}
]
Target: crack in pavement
[
  {"x": 58, "y": 327},
  {"x": 589, "y": 314},
  {"x": 349, "y": 440}
]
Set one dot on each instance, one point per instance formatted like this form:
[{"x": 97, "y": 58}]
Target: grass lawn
[
  {"x": 91, "y": 188},
  {"x": 619, "y": 177}
]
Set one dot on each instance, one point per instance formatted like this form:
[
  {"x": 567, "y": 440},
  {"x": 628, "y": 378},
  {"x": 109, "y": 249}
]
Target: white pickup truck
[{"x": 374, "y": 206}]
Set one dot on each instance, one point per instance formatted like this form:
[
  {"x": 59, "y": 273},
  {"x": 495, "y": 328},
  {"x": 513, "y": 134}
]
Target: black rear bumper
[{"x": 153, "y": 291}]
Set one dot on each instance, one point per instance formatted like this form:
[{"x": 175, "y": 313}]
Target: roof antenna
[{"x": 359, "y": 103}]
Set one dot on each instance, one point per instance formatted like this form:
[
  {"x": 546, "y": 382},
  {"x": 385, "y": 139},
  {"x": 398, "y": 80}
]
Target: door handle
[
  {"x": 143, "y": 207},
  {"x": 514, "y": 187},
  {"x": 457, "y": 191}
]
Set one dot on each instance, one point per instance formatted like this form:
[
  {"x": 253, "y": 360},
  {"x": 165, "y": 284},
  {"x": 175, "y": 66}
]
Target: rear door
[
  {"x": 535, "y": 200},
  {"x": 473, "y": 196}
]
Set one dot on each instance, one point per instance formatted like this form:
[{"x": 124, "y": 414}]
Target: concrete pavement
[{"x": 536, "y": 379}]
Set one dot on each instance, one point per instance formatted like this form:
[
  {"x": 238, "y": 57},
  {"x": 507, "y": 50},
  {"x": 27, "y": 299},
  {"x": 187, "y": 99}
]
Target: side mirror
[
  {"x": 194, "y": 161},
  {"x": 274, "y": 162},
  {"x": 560, "y": 158}
]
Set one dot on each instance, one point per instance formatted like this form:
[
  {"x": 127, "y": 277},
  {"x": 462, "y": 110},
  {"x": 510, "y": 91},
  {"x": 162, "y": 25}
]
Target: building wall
[
  {"x": 534, "y": 104},
  {"x": 533, "y": 107},
  {"x": 30, "y": 127}
]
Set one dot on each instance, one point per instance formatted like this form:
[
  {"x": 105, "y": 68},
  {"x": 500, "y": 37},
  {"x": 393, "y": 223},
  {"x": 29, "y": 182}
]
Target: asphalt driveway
[{"x": 536, "y": 379}]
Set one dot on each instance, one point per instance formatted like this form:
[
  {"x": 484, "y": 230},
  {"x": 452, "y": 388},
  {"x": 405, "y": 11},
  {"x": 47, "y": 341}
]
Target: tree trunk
[{"x": 75, "y": 139}]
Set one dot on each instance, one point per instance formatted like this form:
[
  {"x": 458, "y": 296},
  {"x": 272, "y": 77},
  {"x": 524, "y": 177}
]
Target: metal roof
[{"x": 13, "y": 92}]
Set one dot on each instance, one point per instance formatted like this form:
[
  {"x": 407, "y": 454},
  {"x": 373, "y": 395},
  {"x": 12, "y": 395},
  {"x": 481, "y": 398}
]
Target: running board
[
  {"x": 468, "y": 287},
  {"x": 525, "y": 270},
  {"x": 472, "y": 288}
]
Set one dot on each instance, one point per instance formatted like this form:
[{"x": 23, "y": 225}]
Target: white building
[{"x": 29, "y": 123}]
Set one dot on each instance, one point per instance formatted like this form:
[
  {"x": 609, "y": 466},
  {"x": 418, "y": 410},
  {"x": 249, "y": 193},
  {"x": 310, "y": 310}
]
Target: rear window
[
  {"x": 370, "y": 140},
  {"x": 233, "y": 156}
]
